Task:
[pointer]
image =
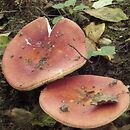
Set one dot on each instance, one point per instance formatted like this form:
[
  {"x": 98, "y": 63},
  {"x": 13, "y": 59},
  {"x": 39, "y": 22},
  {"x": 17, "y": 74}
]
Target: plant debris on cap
[
  {"x": 38, "y": 55},
  {"x": 85, "y": 101}
]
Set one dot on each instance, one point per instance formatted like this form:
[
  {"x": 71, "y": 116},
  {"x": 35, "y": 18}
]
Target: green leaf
[
  {"x": 56, "y": 19},
  {"x": 58, "y": 6},
  {"x": 70, "y": 3},
  {"x": 108, "y": 14},
  {"x": 4, "y": 39},
  {"x": 101, "y": 3},
  {"x": 90, "y": 52},
  {"x": 71, "y": 11},
  {"x": 101, "y": 98},
  {"x": 94, "y": 32},
  {"x": 104, "y": 51},
  {"x": 80, "y": 7}
]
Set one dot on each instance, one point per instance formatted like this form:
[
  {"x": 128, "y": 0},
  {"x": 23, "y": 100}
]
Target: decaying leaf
[
  {"x": 91, "y": 47},
  {"x": 5, "y": 34},
  {"x": 125, "y": 127},
  {"x": 91, "y": 44},
  {"x": 101, "y": 98},
  {"x": 20, "y": 116},
  {"x": 64, "y": 108},
  {"x": 3, "y": 26},
  {"x": 108, "y": 14},
  {"x": 94, "y": 32},
  {"x": 101, "y": 3},
  {"x": 41, "y": 118},
  {"x": 114, "y": 82},
  {"x": 105, "y": 41},
  {"x": 1, "y": 15},
  {"x": 119, "y": 0}
]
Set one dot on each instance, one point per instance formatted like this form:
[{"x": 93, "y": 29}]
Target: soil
[{"x": 19, "y": 13}]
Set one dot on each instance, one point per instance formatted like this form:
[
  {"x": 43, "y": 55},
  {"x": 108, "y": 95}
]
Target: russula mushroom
[
  {"x": 70, "y": 100},
  {"x": 38, "y": 55}
]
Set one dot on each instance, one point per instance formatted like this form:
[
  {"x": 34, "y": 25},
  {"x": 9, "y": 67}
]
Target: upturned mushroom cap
[
  {"x": 36, "y": 55},
  {"x": 69, "y": 100}
]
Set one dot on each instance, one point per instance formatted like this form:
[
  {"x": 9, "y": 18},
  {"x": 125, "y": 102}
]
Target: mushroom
[
  {"x": 70, "y": 100},
  {"x": 38, "y": 55}
]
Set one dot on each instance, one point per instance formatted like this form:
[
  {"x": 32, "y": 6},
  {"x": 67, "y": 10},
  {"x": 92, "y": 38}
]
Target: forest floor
[{"x": 14, "y": 14}]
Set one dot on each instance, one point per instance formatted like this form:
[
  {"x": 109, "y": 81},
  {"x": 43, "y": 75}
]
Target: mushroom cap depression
[
  {"x": 69, "y": 100},
  {"x": 38, "y": 55}
]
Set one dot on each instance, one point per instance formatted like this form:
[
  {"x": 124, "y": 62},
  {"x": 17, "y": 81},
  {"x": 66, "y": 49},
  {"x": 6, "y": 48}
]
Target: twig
[
  {"x": 8, "y": 11},
  {"x": 80, "y": 53}
]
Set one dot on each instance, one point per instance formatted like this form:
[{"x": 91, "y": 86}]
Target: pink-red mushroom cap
[
  {"x": 38, "y": 55},
  {"x": 69, "y": 100}
]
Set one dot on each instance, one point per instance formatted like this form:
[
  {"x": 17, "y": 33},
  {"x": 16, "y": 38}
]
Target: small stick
[
  {"x": 80, "y": 53},
  {"x": 8, "y": 11}
]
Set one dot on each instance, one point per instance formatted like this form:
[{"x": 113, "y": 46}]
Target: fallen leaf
[
  {"x": 36, "y": 117},
  {"x": 90, "y": 44},
  {"x": 91, "y": 47},
  {"x": 101, "y": 3},
  {"x": 56, "y": 19},
  {"x": 108, "y": 14},
  {"x": 5, "y": 34},
  {"x": 42, "y": 119},
  {"x": 105, "y": 41},
  {"x": 94, "y": 32},
  {"x": 101, "y": 98},
  {"x": 108, "y": 51},
  {"x": 125, "y": 127},
  {"x": 3, "y": 26},
  {"x": 105, "y": 51},
  {"x": 64, "y": 108},
  {"x": 4, "y": 39},
  {"x": 113, "y": 83},
  {"x": 119, "y": 0},
  {"x": 58, "y": 6},
  {"x": 69, "y": 3},
  {"x": 1, "y": 15},
  {"x": 80, "y": 7},
  {"x": 20, "y": 116},
  {"x": 117, "y": 28}
]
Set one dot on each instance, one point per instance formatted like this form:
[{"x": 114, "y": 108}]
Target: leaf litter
[
  {"x": 108, "y": 14},
  {"x": 101, "y": 98}
]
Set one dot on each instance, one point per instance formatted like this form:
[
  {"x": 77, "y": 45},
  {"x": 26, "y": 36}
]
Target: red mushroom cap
[
  {"x": 36, "y": 55},
  {"x": 68, "y": 100}
]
